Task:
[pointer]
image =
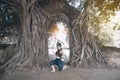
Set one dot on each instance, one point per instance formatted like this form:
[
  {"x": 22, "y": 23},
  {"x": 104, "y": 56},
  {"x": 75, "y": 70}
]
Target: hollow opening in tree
[{"x": 59, "y": 32}]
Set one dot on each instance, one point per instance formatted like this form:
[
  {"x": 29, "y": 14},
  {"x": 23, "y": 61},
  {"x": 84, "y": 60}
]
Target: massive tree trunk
[{"x": 32, "y": 49}]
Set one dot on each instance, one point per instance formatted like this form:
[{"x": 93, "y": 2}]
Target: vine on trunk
[{"x": 85, "y": 52}]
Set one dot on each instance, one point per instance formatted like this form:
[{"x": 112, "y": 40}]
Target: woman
[{"x": 58, "y": 61}]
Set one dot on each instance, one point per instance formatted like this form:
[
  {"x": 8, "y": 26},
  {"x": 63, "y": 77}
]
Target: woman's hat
[{"x": 58, "y": 44}]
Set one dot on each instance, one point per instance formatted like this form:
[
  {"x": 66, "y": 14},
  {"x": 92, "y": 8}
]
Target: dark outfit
[{"x": 58, "y": 61}]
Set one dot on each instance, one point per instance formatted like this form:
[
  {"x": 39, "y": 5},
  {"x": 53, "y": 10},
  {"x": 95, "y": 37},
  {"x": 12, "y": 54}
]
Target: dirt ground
[
  {"x": 73, "y": 73},
  {"x": 68, "y": 74}
]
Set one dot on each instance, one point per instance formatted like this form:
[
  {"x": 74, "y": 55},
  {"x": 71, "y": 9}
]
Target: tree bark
[
  {"x": 32, "y": 49},
  {"x": 85, "y": 52}
]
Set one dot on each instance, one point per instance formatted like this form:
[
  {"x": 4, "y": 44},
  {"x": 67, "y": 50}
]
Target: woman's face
[{"x": 58, "y": 47}]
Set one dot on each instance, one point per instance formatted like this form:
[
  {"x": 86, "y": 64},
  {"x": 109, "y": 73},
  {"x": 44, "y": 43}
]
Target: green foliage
[
  {"x": 104, "y": 19},
  {"x": 9, "y": 19}
]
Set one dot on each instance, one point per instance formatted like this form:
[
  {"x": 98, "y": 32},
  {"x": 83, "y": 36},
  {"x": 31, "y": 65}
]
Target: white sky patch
[
  {"x": 112, "y": 27},
  {"x": 115, "y": 19},
  {"x": 76, "y": 3},
  {"x": 60, "y": 35}
]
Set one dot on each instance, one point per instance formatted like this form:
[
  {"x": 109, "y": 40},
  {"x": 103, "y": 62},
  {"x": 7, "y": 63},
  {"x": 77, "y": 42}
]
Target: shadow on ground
[{"x": 68, "y": 74}]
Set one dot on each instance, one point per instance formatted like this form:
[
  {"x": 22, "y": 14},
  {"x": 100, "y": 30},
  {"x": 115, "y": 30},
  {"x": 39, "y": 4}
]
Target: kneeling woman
[{"x": 58, "y": 61}]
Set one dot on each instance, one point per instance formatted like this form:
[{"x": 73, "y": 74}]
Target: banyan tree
[{"x": 36, "y": 17}]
